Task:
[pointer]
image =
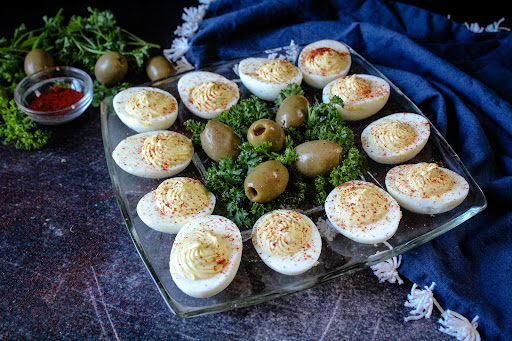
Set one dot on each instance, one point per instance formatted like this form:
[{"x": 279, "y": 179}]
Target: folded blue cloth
[{"x": 461, "y": 80}]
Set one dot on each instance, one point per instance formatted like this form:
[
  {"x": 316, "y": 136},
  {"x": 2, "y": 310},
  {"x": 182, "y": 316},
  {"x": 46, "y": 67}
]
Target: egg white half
[
  {"x": 421, "y": 127},
  {"x": 372, "y": 233},
  {"x": 147, "y": 124},
  {"x": 355, "y": 110},
  {"x": 428, "y": 205},
  {"x": 192, "y": 79},
  {"x": 297, "y": 263},
  {"x": 314, "y": 78},
  {"x": 151, "y": 215},
  {"x": 128, "y": 157},
  {"x": 265, "y": 90},
  {"x": 202, "y": 288}
]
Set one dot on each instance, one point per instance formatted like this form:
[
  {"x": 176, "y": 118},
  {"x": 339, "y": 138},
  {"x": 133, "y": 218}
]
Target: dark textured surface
[{"x": 71, "y": 271}]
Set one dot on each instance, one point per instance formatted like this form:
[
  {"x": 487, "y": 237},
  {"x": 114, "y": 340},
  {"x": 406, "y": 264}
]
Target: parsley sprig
[{"x": 19, "y": 128}]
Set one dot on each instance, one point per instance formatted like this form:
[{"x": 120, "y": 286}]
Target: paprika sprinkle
[{"x": 55, "y": 99}]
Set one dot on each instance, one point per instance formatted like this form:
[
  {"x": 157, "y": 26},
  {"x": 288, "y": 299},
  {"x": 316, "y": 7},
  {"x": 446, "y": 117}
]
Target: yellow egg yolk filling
[
  {"x": 360, "y": 204},
  {"x": 181, "y": 196},
  {"x": 283, "y": 233},
  {"x": 201, "y": 254},
  {"x": 423, "y": 180},
  {"x": 276, "y": 71},
  {"x": 166, "y": 150},
  {"x": 210, "y": 96},
  {"x": 148, "y": 104},
  {"x": 325, "y": 61},
  {"x": 351, "y": 88},
  {"x": 391, "y": 135}
]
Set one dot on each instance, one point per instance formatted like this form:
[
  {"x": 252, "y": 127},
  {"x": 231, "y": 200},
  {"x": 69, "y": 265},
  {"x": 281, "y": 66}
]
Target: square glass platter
[{"x": 255, "y": 282}]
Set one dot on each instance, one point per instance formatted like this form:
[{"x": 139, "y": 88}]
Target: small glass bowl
[{"x": 40, "y": 82}]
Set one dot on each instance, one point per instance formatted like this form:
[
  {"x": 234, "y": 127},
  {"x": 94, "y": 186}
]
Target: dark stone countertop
[{"x": 71, "y": 271}]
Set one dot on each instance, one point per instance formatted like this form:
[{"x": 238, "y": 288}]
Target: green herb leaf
[
  {"x": 196, "y": 128},
  {"x": 19, "y": 128},
  {"x": 291, "y": 89},
  {"x": 242, "y": 115}
]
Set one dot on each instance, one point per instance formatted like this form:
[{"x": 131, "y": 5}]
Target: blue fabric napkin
[{"x": 461, "y": 80}]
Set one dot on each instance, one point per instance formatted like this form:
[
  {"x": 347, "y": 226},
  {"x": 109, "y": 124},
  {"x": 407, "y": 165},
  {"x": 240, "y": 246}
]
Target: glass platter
[{"x": 255, "y": 282}]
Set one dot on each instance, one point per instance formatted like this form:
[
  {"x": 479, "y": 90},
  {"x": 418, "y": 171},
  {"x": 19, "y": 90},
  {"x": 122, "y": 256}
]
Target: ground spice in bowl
[{"x": 55, "y": 99}]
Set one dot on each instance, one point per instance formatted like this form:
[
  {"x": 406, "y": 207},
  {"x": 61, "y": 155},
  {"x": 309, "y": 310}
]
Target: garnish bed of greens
[
  {"x": 226, "y": 178},
  {"x": 78, "y": 42}
]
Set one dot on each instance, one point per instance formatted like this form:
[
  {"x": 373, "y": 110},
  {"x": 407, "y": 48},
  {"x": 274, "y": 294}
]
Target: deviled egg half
[
  {"x": 426, "y": 188},
  {"x": 207, "y": 94},
  {"x": 287, "y": 241},
  {"x": 363, "y": 95},
  {"x": 323, "y": 61},
  {"x": 363, "y": 212},
  {"x": 175, "y": 202},
  {"x": 155, "y": 154},
  {"x": 205, "y": 256},
  {"x": 395, "y": 138},
  {"x": 266, "y": 77},
  {"x": 146, "y": 108}
]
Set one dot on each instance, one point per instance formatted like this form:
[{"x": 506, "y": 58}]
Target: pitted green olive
[
  {"x": 266, "y": 181},
  {"x": 265, "y": 130},
  {"x": 219, "y": 140},
  {"x": 37, "y": 60},
  {"x": 111, "y": 68},
  {"x": 292, "y": 111},
  {"x": 159, "y": 67},
  {"x": 318, "y": 157}
]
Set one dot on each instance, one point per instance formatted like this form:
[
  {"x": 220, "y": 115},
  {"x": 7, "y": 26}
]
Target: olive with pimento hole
[
  {"x": 266, "y": 181},
  {"x": 293, "y": 111},
  {"x": 219, "y": 140},
  {"x": 317, "y": 157},
  {"x": 266, "y": 130}
]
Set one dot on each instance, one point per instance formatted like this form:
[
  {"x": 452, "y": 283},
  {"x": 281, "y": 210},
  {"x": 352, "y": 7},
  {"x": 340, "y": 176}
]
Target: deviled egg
[
  {"x": 146, "y": 108},
  {"x": 363, "y": 95},
  {"x": 363, "y": 212},
  {"x": 287, "y": 241},
  {"x": 155, "y": 154},
  {"x": 426, "y": 188},
  {"x": 265, "y": 77},
  {"x": 323, "y": 61},
  {"x": 207, "y": 94},
  {"x": 175, "y": 202},
  {"x": 395, "y": 138},
  {"x": 205, "y": 256}
]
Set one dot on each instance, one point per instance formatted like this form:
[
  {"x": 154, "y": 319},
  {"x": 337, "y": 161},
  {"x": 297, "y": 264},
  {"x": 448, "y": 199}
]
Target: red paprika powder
[{"x": 55, "y": 99}]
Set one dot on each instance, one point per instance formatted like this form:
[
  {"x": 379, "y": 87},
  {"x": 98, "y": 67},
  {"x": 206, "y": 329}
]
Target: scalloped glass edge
[{"x": 352, "y": 266}]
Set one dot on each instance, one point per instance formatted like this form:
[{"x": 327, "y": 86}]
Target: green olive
[
  {"x": 37, "y": 60},
  {"x": 266, "y": 181},
  {"x": 318, "y": 157},
  {"x": 292, "y": 111},
  {"x": 265, "y": 130},
  {"x": 159, "y": 67},
  {"x": 219, "y": 140},
  {"x": 111, "y": 68}
]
